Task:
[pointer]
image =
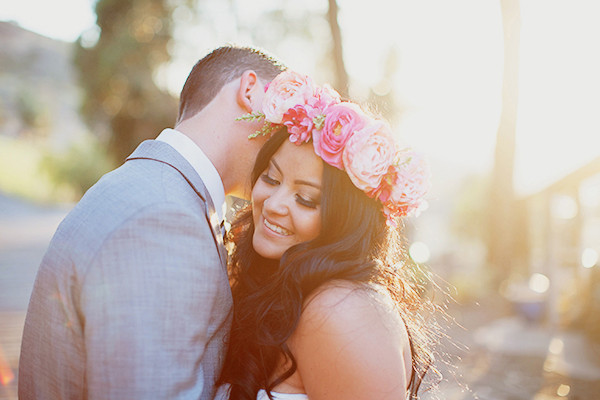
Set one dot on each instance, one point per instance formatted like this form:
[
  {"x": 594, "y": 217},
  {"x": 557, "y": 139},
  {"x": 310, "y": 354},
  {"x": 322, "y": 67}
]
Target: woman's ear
[{"x": 248, "y": 84}]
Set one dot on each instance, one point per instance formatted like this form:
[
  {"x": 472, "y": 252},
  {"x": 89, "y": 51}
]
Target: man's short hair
[{"x": 218, "y": 68}]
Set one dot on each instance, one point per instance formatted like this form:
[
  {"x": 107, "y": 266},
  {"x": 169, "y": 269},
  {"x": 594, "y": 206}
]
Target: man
[{"x": 132, "y": 300}]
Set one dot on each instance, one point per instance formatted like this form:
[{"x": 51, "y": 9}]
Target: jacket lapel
[{"x": 158, "y": 151}]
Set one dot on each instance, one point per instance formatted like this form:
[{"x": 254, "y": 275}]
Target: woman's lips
[{"x": 276, "y": 228}]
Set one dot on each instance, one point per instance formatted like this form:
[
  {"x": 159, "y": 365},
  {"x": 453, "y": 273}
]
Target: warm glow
[
  {"x": 6, "y": 376},
  {"x": 6, "y": 373},
  {"x": 559, "y": 91},
  {"x": 448, "y": 69}
]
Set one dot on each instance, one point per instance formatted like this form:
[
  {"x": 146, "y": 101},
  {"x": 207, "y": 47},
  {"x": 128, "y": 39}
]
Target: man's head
[
  {"x": 224, "y": 85},
  {"x": 218, "y": 68}
]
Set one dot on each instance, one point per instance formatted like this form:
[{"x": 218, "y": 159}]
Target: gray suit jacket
[{"x": 131, "y": 300}]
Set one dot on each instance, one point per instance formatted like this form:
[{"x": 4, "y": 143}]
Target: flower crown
[{"x": 347, "y": 138}]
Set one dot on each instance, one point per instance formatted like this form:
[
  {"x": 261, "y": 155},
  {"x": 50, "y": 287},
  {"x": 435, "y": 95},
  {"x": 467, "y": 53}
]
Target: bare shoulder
[
  {"x": 351, "y": 343},
  {"x": 342, "y": 305}
]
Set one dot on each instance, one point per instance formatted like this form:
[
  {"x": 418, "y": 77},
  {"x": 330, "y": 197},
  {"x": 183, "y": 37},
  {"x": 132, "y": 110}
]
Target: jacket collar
[{"x": 157, "y": 151}]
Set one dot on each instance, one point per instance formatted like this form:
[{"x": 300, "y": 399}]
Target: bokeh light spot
[
  {"x": 539, "y": 283},
  {"x": 589, "y": 258},
  {"x": 563, "y": 390},
  {"x": 419, "y": 252}
]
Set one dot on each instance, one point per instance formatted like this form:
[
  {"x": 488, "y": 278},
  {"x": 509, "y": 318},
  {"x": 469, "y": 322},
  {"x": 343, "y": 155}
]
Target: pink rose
[
  {"x": 287, "y": 90},
  {"x": 324, "y": 97},
  {"x": 303, "y": 119},
  {"x": 299, "y": 123},
  {"x": 368, "y": 155},
  {"x": 341, "y": 122},
  {"x": 406, "y": 185}
]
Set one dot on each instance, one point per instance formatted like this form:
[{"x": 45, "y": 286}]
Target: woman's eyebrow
[
  {"x": 297, "y": 181},
  {"x": 303, "y": 182}
]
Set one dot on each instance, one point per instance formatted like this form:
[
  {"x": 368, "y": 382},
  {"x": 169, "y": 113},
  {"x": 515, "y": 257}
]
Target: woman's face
[{"x": 286, "y": 200}]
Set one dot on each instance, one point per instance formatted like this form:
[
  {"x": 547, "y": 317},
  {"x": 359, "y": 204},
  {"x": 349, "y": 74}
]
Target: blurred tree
[
  {"x": 117, "y": 73},
  {"x": 282, "y": 30},
  {"x": 289, "y": 28},
  {"x": 502, "y": 202},
  {"x": 382, "y": 94},
  {"x": 341, "y": 76},
  {"x": 77, "y": 167},
  {"x": 33, "y": 112},
  {"x": 470, "y": 207},
  {"x": 123, "y": 105}
]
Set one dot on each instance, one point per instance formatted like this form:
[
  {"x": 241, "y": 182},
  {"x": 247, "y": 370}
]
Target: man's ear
[{"x": 248, "y": 84}]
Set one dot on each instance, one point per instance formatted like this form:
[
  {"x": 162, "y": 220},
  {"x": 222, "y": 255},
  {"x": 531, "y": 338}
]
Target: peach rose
[
  {"x": 324, "y": 97},
  {"x": 408, "y": 185},
  {"x": 287, "y": 90},
  {"x": 368, "y": 156}
]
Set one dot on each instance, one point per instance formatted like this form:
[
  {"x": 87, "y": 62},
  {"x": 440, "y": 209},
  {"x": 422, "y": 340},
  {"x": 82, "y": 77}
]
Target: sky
[
  {"x": 449, "y": 71},
  {"x": 58, "y": 19}
]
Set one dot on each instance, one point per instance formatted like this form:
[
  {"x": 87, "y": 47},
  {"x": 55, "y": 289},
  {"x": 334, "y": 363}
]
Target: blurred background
[{"x": 503, "y": 97}]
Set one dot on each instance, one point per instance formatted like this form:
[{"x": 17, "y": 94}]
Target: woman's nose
[{"x": 276, "y": 203}]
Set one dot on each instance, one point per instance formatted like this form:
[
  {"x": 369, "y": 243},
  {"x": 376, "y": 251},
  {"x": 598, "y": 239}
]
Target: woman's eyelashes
[
  {"x": 268, "y": 180},
  {"x": 305, "y": 201}
]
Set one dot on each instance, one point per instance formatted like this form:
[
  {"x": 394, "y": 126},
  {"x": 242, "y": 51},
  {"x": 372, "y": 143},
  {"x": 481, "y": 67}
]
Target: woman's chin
[{"x": 265, "y": 248}]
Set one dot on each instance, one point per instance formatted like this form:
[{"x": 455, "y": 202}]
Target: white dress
[
  {"x": 262, "y": 395},
  {"x": 223, "y": 394}
]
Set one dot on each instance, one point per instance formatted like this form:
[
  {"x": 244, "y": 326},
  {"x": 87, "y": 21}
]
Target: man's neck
[
  {"x": 199, "y": 162},
  {"x": 213, "y": 143}
]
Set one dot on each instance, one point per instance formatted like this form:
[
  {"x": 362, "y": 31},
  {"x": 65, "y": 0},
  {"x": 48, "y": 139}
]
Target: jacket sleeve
[{"x": 147, "y": 301}]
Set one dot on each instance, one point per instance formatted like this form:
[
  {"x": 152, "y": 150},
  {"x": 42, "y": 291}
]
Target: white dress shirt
[{"x": 200, "y": 162}]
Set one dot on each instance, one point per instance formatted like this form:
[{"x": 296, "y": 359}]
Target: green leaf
[
  {"x": 318, "y": 121},
  {"x": 255, "y": 116},
  {"x": 265, "y": 130}
]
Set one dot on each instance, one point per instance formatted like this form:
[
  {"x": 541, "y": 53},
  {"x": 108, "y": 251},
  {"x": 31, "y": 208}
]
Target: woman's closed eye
[
  {"x": 268, "y": 180},
  {"x": 306, "y": 202}
]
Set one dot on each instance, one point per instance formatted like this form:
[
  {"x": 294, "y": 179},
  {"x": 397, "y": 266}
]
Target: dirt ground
[{"x": 478, "y": 368}]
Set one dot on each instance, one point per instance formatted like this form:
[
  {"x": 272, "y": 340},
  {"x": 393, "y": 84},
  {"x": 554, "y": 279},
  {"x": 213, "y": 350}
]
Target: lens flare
[{"x": 6, "y": 373}]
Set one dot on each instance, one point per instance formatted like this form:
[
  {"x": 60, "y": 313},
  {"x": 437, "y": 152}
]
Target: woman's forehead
[{"x": 299, "y": 160}]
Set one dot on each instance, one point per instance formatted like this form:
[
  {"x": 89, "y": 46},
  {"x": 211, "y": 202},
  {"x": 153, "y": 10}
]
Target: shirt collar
[{"x": 201, "y": 164}]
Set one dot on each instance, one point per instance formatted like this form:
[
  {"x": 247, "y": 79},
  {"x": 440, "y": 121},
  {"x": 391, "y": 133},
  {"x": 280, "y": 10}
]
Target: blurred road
[
  {"x": 25, "y": 231},
  {"x": 494, "y": 355}
]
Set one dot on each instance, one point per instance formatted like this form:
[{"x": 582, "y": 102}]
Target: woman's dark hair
[{"x": 354, "y": 244}]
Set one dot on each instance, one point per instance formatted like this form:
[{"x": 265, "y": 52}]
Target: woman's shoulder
[
  {"x": 349, "y": 298},
  {"x": 352, "y": 337},
  {"x": 343, "y": 307}
]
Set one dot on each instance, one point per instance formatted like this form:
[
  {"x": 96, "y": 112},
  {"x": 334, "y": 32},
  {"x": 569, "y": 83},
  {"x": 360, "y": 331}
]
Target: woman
[{"x": 324, "y": 304}]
